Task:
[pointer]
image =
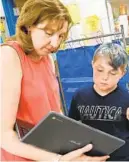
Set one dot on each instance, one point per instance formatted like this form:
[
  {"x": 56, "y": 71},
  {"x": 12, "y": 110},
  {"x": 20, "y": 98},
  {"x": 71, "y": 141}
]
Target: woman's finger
[
  {"x": 77, "y": 153},
  {"x": 98, "y": 158}
]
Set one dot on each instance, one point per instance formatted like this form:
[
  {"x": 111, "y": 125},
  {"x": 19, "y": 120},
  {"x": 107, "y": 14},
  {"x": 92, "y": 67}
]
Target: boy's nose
[{"x": 105, "y": 77}]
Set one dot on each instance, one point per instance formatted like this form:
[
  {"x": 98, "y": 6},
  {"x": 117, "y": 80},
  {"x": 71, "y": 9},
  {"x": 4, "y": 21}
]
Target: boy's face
[{"x": 105, "y": 77}]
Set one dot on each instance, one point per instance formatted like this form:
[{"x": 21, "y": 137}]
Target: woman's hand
[{"x": 79, "y": 155}]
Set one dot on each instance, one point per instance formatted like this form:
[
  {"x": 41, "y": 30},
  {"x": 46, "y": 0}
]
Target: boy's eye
[
  {"x": 113, "y": 73},
  {"x": 100, "y": 70}
]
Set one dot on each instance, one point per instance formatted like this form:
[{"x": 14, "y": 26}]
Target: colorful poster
[
  {"x": 2, "y": 30},
  {"x": 91, "y": 26},
  {"x": 92, "y": 23},
  {"x": 74, "y": 12}
]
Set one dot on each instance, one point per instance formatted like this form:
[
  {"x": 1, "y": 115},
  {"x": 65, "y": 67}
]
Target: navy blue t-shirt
[{"x": 107, "y": 113}]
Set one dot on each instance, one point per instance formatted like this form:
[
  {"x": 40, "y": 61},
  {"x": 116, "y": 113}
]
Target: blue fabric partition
[{"x": 76, "y": 71}]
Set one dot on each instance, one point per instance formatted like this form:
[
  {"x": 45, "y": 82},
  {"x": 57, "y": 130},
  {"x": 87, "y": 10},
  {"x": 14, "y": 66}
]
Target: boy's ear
[{"x": 123, "y": 73}]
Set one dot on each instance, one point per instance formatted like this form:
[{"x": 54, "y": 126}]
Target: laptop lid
[{"x": 60, "y": 134}]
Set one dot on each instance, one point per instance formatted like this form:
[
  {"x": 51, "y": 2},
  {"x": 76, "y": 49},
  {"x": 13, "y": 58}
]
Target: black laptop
[{"x": 60, "y": 134}]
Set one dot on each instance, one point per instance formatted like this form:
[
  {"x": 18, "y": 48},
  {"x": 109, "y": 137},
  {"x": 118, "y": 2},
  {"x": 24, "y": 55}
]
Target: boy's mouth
[{"x": 103, "y": 83}]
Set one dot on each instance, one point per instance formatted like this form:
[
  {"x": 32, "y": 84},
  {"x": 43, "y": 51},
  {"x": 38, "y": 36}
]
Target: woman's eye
[{"x": 49, "y": 34}]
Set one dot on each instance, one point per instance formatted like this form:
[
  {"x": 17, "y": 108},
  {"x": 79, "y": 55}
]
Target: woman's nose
[{"x": 55, "y": 41}]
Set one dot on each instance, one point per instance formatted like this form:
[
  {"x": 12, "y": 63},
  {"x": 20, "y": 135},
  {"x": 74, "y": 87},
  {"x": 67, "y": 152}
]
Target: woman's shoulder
[
  {"x": 10, "y": 57},
  {"x": 8, "y": 51}
]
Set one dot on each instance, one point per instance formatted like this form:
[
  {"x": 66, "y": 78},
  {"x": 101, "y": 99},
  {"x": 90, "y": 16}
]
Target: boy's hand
[{"x": 127, "y": 113}]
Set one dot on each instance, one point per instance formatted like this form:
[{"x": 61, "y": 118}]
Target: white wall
[
  {"x": 90, "y": 8},
  {"x": 1, "y": 9}
]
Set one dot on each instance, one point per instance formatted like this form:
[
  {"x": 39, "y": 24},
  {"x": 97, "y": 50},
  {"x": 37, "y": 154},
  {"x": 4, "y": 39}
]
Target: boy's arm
[
  {"x": 127, "y": 113},
  {"x": 127, "y": 116},
  {"x": 73, "y": 111}
]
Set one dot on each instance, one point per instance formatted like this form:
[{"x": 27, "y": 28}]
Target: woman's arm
[{"x": 11, "y": 89}]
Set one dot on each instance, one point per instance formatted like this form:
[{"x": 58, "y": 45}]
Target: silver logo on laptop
[
  {"x": 54, "y": 118},
  {"x": 74, "y": 142}
]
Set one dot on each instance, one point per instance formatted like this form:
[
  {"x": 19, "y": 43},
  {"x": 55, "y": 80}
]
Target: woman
[{"x": 33, "y": 91}]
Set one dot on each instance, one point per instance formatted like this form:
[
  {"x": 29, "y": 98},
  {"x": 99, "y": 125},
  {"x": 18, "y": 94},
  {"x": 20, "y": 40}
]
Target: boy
[{"x": 105, "y": 105}]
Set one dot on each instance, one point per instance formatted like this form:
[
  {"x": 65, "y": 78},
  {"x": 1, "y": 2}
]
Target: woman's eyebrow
[
  {"x": 47, "y": 28},
  {"x": 53, "y": 29}
]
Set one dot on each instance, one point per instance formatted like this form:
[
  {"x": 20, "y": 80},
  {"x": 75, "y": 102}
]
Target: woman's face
[{"x": 47, "y": 39}]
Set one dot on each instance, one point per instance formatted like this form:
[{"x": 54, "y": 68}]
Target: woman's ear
[
  {"x": 24, "y": 29},
  {"x": 29, "y": 28}
]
